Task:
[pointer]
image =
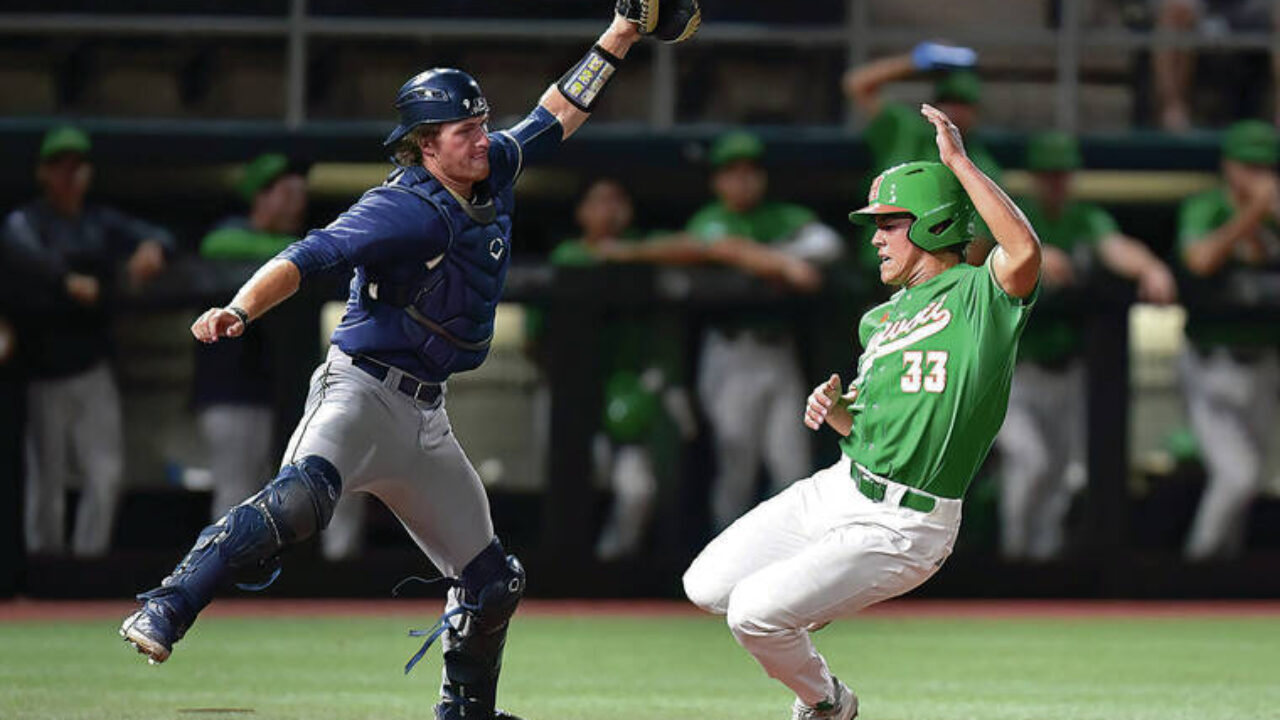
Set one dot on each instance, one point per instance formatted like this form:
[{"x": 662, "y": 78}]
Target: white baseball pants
[
  {"x": 1231, "y": 404},
  {"x": 1042, "y": 435},
  {"x": 818, "y": 551},
  {"x": 751, "y": 391},
  {"x": 239, "y": 438}
]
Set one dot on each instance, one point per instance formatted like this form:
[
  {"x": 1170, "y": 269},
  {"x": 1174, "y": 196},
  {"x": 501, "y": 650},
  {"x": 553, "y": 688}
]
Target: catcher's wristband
[
  {"x": 585, "y": 81},
  {"x": 238, "y": 312}
]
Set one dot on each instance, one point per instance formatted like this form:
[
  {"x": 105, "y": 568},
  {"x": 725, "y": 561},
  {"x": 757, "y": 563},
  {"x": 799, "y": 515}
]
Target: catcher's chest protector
[{"x": 451, "y": 298}]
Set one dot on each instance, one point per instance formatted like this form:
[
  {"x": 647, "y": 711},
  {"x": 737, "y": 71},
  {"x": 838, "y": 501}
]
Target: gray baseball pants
[
  {"x": 1042, "y": 436},
  {"x": 400, "y": 450},
  {"x": 1232, "y": 404},
  {"x": 73, "y": 420}
]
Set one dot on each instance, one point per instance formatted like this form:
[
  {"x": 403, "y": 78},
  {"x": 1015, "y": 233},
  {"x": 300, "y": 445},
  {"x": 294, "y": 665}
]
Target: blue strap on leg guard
[
  {"x": 484, "y": 597},
  {"x": 294, "y": 506}
]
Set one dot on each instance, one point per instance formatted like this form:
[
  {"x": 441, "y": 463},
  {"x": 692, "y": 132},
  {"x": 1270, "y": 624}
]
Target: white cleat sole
[{"x": 155, "y": 652}]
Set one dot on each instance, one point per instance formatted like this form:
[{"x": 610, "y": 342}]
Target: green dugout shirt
[
  {"x": 899, "y": 134},
  {"x": 1077, "y": 230},
  {"x": 1199, "y": 216},
  {"x": 236, "y": 240},
  {"x": 933, "y": 380},
  {"x": 767, "y": 223}
]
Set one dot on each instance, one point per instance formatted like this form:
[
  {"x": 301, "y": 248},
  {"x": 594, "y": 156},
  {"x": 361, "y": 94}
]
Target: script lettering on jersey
[
  {"x": 899, "y": 334},
  {"x": 894, "y": 336}
]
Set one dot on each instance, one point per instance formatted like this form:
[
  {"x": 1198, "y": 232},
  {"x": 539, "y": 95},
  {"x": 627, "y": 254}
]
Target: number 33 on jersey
[{"x": 948, "y": 338}]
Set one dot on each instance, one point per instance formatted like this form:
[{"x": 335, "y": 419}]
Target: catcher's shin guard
[
  {"x": 294, "y": 506},
  {"x": 487, "y": 594}
]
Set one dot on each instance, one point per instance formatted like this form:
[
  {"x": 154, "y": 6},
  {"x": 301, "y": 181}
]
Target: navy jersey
[
  {"x": 429, "y": 267},
  {"x": 38, "y": 248}
]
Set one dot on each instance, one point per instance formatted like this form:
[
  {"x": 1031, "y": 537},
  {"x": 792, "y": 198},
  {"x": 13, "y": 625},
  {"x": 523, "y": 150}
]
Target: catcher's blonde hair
[{"x": 408, "y": 149}]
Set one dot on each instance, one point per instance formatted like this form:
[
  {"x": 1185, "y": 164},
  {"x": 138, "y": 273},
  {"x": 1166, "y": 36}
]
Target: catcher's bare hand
[
  {"x": 826, "y": 406},
  {"x": 217, "y": 323},
  {"x": 950, "y": 145}
]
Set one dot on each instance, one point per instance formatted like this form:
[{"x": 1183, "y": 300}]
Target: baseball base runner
[{"x": 917, "y": 421}]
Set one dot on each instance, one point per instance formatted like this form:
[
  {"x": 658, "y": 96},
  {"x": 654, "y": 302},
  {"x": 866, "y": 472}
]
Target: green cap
[
  {"x": 930, "y": 193},
  {"x": 1053, "y": 151},
  {"x": 737, "y": 145},
  {"x": 962, "y": 86},
  {"x": 1252, "y": 142},
  {"x": 260, "y": 173},
  {"x": 64, "y": 139}
]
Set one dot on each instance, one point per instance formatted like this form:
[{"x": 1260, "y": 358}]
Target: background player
[
  {"x": 1227, "y": 237},
  {"x": 233, "y": 384},
  {"x": 430, "y": 249},
  {"x": 749, "y": 372},
  {"x": 62, "y": 255},
  {"x": 1042, "y": 441},
  {"x": 932, "y": 386}
]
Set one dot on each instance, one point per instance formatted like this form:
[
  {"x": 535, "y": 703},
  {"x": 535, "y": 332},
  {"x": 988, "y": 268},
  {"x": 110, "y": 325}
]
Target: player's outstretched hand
[
  {"x": 217, "y": 323},
  {"x": 1156, "y": 285},
  {"x": 950, "y": 145},
  {"x": 825, "y": 406}
]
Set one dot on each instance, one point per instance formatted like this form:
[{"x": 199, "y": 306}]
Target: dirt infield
[{"x": 28, "y": 610}]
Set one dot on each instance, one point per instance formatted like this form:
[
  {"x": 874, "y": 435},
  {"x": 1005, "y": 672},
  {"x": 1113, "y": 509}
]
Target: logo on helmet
[{"x": 476, "y": 106}]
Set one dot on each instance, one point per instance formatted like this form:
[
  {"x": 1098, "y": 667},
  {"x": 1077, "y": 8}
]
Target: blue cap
[{"x": 436, "y": 96}]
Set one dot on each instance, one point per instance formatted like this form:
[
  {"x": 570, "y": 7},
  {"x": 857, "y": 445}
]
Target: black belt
[{"x": 427, "y": 392}]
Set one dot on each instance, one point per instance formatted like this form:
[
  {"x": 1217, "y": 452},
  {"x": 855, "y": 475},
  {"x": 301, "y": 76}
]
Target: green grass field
[{"x": 607, "y": 668}]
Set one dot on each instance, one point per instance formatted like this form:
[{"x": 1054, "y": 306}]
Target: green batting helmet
[{"x": 928, "y": 192}]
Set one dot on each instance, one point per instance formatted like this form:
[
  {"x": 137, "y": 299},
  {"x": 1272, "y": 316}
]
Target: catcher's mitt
[{"x": 671, "y": 21}]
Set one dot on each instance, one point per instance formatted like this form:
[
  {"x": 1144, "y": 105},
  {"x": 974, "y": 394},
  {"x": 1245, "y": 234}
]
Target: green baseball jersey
[
  {"x": 768, "y": 222},
  {"x": 630, "y": 343},
  {"x": 236, "y": 240},
  {"x": 933, "y": 379},
  {"x": 899, "y": 134},
  {"x": 1199, "y": 216},
  {"x": 1077, "y": 230}
]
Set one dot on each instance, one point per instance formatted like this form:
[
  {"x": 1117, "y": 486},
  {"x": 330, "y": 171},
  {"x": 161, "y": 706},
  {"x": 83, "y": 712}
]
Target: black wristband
[
  {"x": 586, "y": 80},
  {"x": 238, "y": 312}
]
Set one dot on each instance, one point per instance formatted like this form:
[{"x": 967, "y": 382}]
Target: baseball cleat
[
  {"x": 152, "y": 630},
  {"x": 843, "y": 706}
]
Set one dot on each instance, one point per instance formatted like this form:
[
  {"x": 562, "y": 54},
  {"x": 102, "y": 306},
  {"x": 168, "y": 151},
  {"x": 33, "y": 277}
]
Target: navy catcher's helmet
[{"x": 436, "y": 96}]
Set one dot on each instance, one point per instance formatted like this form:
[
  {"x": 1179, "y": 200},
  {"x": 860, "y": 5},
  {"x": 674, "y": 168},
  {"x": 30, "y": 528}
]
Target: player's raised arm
[
  {"x": 271, "y": 285},
  {"x": 1016, "y": 263},
  {"x": 572, "y": 99}
]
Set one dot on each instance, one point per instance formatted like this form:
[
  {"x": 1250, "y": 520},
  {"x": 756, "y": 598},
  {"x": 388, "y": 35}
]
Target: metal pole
[
  {"x": 1068, "y": 110},
  {"x": 662, "y": 109},
  {"x": 857, "y": 25},
  {"x": 296, "y": 89}
]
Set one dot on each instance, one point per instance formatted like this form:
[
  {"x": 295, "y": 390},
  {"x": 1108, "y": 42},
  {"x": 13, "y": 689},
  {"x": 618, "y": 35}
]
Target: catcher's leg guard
[
  {"x": 488, "y": 591},
  {"x": 294, "y": 506}
]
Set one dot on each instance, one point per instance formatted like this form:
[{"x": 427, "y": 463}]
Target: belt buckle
[
  {"x": 876, "y": 490},
  {"x": 417, "y": 392}
]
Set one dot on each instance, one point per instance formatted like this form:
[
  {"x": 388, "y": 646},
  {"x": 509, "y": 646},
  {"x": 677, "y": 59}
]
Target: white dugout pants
[
  {"x": 1042, "y": 436},
  {"x": 76, "y": 420},
  {"x": 752, "y": 392},
  {"x": 400, "y": 450},
  {"x": 1231, "y": 404},
  {"x": 818, "y": 551},
  {"x": 239, "y": 441}
]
